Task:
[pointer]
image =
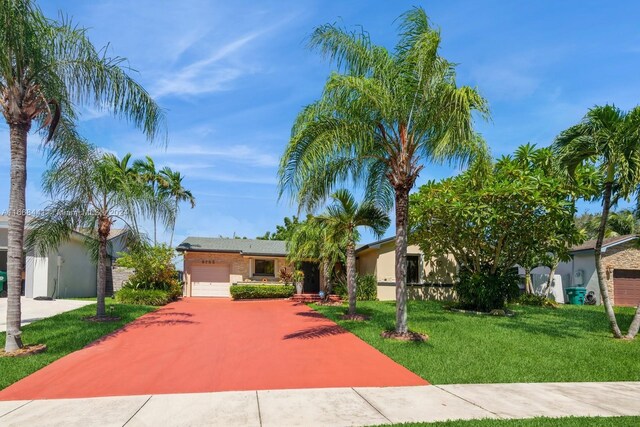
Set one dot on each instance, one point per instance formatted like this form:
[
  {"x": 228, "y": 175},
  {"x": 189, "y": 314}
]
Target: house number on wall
[{"x": 207, "y": 261}]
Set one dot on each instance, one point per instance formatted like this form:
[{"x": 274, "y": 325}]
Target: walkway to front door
[{"x": 202, "y": 345}]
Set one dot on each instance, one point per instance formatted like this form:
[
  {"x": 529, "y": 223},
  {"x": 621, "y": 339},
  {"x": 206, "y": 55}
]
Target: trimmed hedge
[
  {"x": 261, "y": 291},
  {"x": 366, "y": 288},
  {"x": 129, "y": 295}
]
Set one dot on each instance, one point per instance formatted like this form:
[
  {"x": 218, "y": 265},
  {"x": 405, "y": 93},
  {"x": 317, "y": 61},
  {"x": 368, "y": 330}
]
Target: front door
[{"x": 311, "y": 277}]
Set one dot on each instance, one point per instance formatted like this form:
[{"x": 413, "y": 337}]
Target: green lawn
[
  {"x": 537, "y": 422},
  {"x": 571, "y": 343},
  {"x": 63, "y": 334}
]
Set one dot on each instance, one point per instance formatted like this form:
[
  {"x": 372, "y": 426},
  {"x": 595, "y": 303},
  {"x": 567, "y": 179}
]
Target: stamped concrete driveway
[{"x": 205, "y": 345}]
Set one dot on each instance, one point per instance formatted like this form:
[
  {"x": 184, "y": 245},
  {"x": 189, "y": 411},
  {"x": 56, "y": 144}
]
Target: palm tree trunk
[
  {"x": 604, "y": 292},
  {"x": 15, "y": 254},
  {"x": 351, "y": 277},
  {"x": 528, "y": 286},
  {"x": 155, "y": 226},
  {"x": 173, "y": 223},
  {"x": 402, "y": 220},
  {"x": 326, "y": 272},
  {"x": 635, "y": 325},
  {"x": 104, "y": 228}
]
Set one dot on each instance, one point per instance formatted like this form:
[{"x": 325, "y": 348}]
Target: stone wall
[
  {"x": 624, "y": 257},
  {"x": 119, "y": 275}
]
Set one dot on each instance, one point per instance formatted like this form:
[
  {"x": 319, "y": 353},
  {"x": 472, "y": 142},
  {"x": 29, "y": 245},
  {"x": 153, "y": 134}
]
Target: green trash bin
[
  {"x": 576, "y": 295},
  {"x": 3, "y": 281}
]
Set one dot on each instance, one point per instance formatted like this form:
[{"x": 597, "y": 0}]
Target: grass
[
  {"x": 63, "y": 334},
  {"x": 570, "y": 343},
  {"x": 537, "y": 422}
]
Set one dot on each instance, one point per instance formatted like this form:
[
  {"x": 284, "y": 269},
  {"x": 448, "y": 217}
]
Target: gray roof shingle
[
  {"x": 243, "y": 246},
  {"x": 610, "y": 241}
]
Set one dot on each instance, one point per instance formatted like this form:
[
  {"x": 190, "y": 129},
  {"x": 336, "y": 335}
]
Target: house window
[
  {"x": 264, "y": 267},
  {"x": 413, "y": 269}
]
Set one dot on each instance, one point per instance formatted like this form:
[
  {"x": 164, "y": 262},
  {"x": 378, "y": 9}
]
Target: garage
[
  {"x": 210, "y": 281},
  {"x": 626, "y": 287}
]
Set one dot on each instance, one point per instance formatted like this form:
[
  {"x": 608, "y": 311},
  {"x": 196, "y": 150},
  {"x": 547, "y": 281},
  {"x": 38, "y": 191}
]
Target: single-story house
[
  {"x": 67, "y": 272},
  {"x": 620, "y": 259},
  {"x": 427, "y": 278},
  {"x": 212, "y": 265}
]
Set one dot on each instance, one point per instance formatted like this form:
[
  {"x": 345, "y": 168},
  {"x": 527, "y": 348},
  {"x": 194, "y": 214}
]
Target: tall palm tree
[
  {"x": 156, "y": 185},
  {"x": 310, "y": 241},
  {"x": 381, "y": 117},
  {"x": 90, "y": 196},
  {"x": 342, "y": 219},
  {"x": 175, "y": 190},
  {"x": 609, "y": 138},
  {"x": 47, "y": 67}
]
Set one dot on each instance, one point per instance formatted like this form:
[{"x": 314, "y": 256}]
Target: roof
[
  {"x": 242, "y": 246},
  {"x": 375, "y": 244},
  {"x": 590, "y": 245}
]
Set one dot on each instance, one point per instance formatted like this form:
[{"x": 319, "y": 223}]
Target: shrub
[
  {"x": 536, "y": 301},
  {"x": 366, "y": 288},
  {"x": 261, "y": 291},
  {"x": 486, "y": 292},
  {"x": 153, "y": 269},
  {"x": 130, "y": 295}
]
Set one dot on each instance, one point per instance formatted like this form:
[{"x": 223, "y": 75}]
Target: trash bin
[
  {"x": 3, "y": 281},
  {"x": 576, "y": 295}
]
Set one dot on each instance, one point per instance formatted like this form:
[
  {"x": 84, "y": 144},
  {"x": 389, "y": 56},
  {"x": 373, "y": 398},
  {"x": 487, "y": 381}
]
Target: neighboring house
[
  {"x": 621, "y": 262},
  {"x": 67, "y": 272},
  {"x": 426, "y": 278},
  {"x": 212, "y": 265}
]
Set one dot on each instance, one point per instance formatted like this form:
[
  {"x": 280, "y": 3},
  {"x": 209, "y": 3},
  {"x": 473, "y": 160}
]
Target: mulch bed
[
  {"x": 355, "y": 317},
  {"x": 27, "y": 350},
  {"x": 409, "y": 336},
  {"x": 101, "y": 319}
]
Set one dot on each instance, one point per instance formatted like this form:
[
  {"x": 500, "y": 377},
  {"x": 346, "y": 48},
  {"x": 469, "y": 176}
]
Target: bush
[
  {"x": 536, "y": 301},
  {"x": 261, "y": 291},
  {"x": 153, "y": 269},
  {"x": 366, "y": 288},
  {"x": 486, "y": 292},
  {"x": 130, "y": 295}
]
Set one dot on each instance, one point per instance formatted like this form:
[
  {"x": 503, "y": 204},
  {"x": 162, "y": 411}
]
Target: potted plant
[{"x": 298, "y": 279}]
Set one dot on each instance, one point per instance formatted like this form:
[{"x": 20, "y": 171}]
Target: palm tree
[
  {"x": 175, "y": 191},
  {"x": 342, "y": 219},
  {"x": 47, "y": 67},
  {"x": 310, "y": 241},
  {"x": 90, "y": 197},
  {"x": 381, "y": 117},
  {"x": 156, "y": 185},
  {"x": 609, "y": 138}
]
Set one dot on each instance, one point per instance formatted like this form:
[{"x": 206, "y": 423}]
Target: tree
[
  {"x": 283, "y": 232},
  {"x": 381, "y": 118},
  {"x": 177, "y": 192},
  {"x": 341, "y": 220},
  {"x": 310, "y": 241},
  {"x": 90, "y": 196},
  {"x": 47, "y": 67},
  {"x": 620, "y": 223},
  {"x": 496, "y": 215},
  {"x": 608, "y": 138},
  {"x": 156, "y": 186}
]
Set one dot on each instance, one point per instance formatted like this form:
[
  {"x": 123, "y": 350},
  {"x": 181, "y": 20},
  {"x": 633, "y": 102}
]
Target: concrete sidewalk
[
  {"x": 33, "y": 310},
  {"x": 333, "y": 406}
]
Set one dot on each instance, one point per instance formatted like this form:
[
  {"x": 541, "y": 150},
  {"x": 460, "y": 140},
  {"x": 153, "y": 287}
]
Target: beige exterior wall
[
  {"x": 241, "y": 267},
  {"x": 625, "y": 256},
  {"x": 387, "y": 292},
  {"x": 381, "y": 263}
]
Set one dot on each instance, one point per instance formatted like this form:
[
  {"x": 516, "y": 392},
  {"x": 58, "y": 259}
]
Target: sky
[{"x": 232, "y": 76}]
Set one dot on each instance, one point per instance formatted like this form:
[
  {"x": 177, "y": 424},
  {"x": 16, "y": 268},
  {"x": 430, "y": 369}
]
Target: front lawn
[
  {"x": 571, "y": 343},
  {"x": 63, "y": 334},
  {"x": 537, "y": 422}
]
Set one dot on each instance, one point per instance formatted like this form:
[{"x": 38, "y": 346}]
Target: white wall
[
  {"x": 586, "y": 263},
  {"x": 77, "y": 273}
]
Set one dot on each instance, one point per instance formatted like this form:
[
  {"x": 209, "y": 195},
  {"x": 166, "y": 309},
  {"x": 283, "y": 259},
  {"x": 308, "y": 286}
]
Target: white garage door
[{"x": 210, "y": 281}]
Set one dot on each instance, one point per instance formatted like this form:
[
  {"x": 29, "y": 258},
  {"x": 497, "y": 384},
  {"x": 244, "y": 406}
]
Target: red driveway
[{"x": 202, "y": 345}]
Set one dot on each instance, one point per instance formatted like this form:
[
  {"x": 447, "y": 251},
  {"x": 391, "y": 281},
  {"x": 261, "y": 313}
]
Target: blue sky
[{"x": 233, "y": 75}]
